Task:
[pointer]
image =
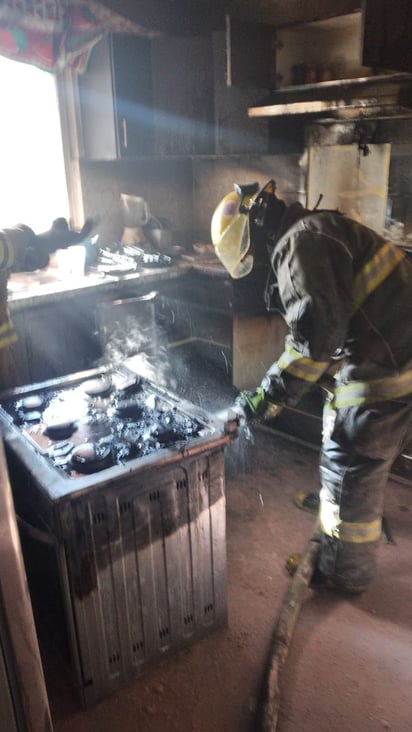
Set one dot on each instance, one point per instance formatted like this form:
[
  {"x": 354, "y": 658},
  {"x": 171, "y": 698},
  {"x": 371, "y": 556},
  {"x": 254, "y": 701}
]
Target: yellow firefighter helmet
[
  {"x": 230, "y": 231},
  {"x": 243, "y": 208}
]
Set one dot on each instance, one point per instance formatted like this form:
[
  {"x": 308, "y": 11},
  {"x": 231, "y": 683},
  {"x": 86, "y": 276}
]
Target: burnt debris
[{"x": 101, "y": 422}]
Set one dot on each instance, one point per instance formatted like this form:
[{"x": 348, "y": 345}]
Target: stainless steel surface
[
  {"x": 26, "y": 290},
  {"x": 23, "y": 696}
]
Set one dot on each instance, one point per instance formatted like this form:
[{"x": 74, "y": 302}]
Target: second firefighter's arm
[
  {"x": 23, "y": 250},
  {"x": 14, "y": 243}
]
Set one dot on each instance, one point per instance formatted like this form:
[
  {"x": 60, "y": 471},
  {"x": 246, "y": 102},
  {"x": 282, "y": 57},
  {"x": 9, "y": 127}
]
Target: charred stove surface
[
  {"x": 138, "y": 550},
  {"x": 100, "y": 422}
]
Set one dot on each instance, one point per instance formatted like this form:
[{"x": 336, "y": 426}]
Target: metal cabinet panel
[{"x": 115, "y": 96}]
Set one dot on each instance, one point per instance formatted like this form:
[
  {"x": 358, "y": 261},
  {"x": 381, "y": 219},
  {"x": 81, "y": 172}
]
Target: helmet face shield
[
  {"x": 230, "y": 234},
  {"x": 244, "y": 214}
]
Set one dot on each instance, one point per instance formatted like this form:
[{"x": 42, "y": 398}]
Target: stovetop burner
[
  {"x": 99, "y": 422},
  {"x": 91, "y": 457}
]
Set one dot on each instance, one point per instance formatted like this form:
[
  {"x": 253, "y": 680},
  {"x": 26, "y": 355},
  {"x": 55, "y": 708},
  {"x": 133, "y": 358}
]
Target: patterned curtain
[{"x": 54, "y": 34}]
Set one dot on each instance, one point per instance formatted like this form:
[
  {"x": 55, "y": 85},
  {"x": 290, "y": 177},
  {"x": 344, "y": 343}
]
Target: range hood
[{"x": 374, "y": 97}]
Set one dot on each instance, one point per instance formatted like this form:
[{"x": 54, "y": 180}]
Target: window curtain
[{"x": 56, "y": 34}]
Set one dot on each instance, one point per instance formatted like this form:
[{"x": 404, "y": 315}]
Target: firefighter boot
[
  {"x": 318, "y": 580},
  {"x": 307, "y": 501}
]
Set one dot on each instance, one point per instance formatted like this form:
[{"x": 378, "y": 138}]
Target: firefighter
[
  {"x": 346, "y": 295},
  {"x": 21, "y": 249}
]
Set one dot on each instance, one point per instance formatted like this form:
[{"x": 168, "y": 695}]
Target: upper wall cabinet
[
  {"x": 387, "y": 34},
  {"x": 115, "y": 97},
  {"x": 145, "y": 97},
  {"x": 183, "y": 110},
  {"x": 321, "y": 51},
  {"x": 250, "y": 54},
  {"x": 322, "y": 68},
  {"x": 203, "y": 86},
  {"x": 175, "y": 95}
]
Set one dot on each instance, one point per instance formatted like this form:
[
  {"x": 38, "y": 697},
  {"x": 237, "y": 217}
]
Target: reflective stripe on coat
[{"x": 344, "y": 288}]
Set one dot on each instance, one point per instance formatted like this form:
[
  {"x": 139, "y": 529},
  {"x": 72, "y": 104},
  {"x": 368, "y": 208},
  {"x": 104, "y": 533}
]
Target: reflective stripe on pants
[{"x": 359, "y": 447}]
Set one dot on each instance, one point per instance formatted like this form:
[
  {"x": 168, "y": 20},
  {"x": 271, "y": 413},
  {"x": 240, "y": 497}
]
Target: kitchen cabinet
[
  {"x": 63, "y": 326},
  {"x": 246, "y": 41},
  {"x": 202, "y": 87},
  {"x": 175, "y": 96},
  {"x": 115, "y": 99},
  {"x": 147, "y": 97},
  {"x": 332, "y": 67},
  {"x": 56, "y": 339},
  {"x": 219, "y": 339},
  {"x": 208, "y": 318},
  {"x": 387, "y": 34},
  {"x": 182, "y": 80},
  {"x": 378, "y": 37},
  {"x": 238, "y": 84},
  {"x": 324, "y": 50}
]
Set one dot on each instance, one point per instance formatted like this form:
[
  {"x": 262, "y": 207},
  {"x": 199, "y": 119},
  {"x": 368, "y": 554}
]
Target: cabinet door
[
  {"x": 132, "y": 74},
  {"x": 115, "y": 97},
  {"x": 250, "y": 54},
  {"x": 387, "y": 34},
  {"x": 183, "y": 95}
]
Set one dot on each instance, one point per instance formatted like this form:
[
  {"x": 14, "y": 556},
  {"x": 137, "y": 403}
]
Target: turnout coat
[{"x": 347, "y": 298}]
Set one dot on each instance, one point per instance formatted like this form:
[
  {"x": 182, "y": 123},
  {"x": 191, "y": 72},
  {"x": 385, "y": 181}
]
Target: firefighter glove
[
  {"x": 257, "y": 406},
  {"x": 60, "y": 236}
]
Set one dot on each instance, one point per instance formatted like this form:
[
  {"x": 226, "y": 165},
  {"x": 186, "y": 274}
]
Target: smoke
[
  {"x": 141, "y": 344},
  {"x": 193, "y": 369}
]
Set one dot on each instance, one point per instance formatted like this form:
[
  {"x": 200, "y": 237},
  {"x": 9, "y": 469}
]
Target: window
[{"x": 33, "y": 187}]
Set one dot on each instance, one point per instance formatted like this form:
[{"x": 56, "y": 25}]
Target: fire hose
[
  {"x": 283, "y": 633},
  {"x": 285, "y": 625}
]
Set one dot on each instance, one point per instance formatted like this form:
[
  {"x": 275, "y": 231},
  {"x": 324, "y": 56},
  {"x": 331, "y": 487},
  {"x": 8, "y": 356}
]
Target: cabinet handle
[{"x": 124, "y": 130}]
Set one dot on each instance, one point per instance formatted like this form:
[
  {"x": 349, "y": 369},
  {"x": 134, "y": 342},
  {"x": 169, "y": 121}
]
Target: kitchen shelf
[{"x": 385, "y": 95}]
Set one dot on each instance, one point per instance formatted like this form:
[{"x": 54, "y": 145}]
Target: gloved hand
[
  {"x": 256, "y": 405},
  {"x": 59, "y": 236},
  {"x": 249, "y": 406},
  {"x": 232, "y": 417}
]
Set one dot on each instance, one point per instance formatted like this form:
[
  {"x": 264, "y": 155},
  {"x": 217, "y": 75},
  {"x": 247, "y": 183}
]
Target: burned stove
[
  {"x": 103, "y": 421},
  {"x": 127, "y": 482}
]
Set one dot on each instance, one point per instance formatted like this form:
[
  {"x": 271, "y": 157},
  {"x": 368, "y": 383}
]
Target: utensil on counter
[
  {"x": 130, "y": 259},
  {"x": 148, "y": 259},
  {"x": 113, "y": 263}
]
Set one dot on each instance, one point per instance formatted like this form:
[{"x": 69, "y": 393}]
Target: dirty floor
[{"x": 349, "y": 667}]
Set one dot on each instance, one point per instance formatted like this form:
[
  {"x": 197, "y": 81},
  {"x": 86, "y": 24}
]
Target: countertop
[{"x": 28, "y": 289}]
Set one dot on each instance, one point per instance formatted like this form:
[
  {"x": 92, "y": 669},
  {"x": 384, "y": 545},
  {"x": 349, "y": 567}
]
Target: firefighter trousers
[{"x": 359, "y": 446}]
